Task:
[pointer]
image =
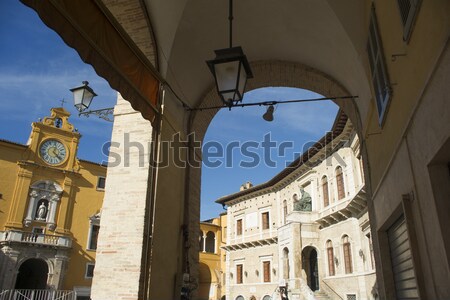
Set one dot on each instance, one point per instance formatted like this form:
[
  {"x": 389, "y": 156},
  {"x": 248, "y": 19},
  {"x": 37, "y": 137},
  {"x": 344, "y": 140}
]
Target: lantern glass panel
[{"x": 227, "y": 74}]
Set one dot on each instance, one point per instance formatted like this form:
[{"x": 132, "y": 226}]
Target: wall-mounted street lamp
[
  {"x": 82, "y": 98},
  {"x": 230, "y": 69}
]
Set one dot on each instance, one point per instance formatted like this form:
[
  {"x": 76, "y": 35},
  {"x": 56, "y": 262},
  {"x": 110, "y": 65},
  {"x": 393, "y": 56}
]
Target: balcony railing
[
  {"x": 37, "y": 295},
  {"x": 16, "y": 236}
]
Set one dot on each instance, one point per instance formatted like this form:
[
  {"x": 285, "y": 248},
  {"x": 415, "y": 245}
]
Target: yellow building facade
[
  {"x": 49, "y": 210},
  {"x": 212, "y": 237}
]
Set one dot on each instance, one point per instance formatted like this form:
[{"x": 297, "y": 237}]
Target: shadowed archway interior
[{"x": 32, "y": 274}]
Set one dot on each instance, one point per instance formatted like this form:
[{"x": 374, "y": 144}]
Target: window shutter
[
  {"x": 265, "y": 220},
  {"x": 340, "y": 184},
  {"x": 331, "y": 261},
  {"x": 326, "y": 200},
  {"x": 402, "y": 263},
  {"x": 347, "y": 258},
  {"x": 408, "y": 12},
  {"x": 238, "y": 273},
  {"x": 266, "y": 267},
  {"x": 239, "y": 227}
]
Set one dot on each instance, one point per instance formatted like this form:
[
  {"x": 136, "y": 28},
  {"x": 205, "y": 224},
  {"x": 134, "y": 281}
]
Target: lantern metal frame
[
  {"x": 228, "y": 55},
  {"x": 104, "y": 113}
]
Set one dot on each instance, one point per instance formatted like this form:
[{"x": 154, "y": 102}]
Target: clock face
[{"x": 53, "y": 152}]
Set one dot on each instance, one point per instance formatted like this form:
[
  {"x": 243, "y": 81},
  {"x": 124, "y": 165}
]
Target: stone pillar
[
  {"x": 120, "y": 242},
  {"x": 8, "y": 262},
  {"x": 296, "y": 265}
]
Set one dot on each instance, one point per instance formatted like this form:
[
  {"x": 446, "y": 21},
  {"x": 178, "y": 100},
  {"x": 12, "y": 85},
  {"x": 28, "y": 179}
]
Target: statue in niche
[
  {"x": 304, "y": 204},
  {"x": 41, "y": 212}
]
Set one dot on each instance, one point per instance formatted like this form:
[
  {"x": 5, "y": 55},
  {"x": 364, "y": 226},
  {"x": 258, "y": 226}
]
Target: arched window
[
  {"x": 266, "y": 297},
  {"x": 340, "y": 183},
  {"x": 285, "y": 211},
  {"x": 210, "y": 242},
  {"x": 201, "y": 242},
  {"x": 330, "y": 253},
  {"x": 326, "y": 199},
  {"x": 286, "y": 263},
  {"x": 347, "y": 254},
  {"x": 240, "y": 297}
]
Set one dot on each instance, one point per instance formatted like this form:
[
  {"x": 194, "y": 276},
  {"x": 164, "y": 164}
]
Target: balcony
[
  {"x": 16, "y": 236},
  {"x": 347, "y": 208}
]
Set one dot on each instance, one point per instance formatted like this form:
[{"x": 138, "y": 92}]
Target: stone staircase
[{"x": 321, "y": 295}]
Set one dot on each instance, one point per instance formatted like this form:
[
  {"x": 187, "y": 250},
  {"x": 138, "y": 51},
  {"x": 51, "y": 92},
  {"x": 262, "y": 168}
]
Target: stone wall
[{"x": 120, "y": 242}]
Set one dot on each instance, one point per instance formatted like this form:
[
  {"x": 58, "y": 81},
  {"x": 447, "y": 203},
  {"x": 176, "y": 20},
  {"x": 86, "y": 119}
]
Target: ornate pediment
[{"x": 59, "y": 118}]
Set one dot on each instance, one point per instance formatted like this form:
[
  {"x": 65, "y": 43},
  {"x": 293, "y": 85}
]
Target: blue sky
[{"x": 37, "y": 70}]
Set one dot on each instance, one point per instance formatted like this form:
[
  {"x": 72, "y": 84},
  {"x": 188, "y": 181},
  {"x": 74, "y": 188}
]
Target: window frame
[
  {"x": 347, "y": 252},
  {"x": 239, "y": 229},
  {"x": 326, "y": 195},
  {"x": 239, "y": 273},
  {"x": 86, "y": 273},
  {"x": 330, "y": 258},
  {"x": 89, "y": 240},
  {"x": 265, "y": 226},
  {"x": 99, "y": 179},
  {"x": 340, "y": 184},
  {"x": 378, "y": 70},
  {"x": 265, "y": 263}
]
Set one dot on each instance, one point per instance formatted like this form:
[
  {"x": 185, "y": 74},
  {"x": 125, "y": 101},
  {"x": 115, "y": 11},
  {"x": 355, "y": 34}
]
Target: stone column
[
  {"x": 121, "y": 237},
  {"x": 8, "y": 262}
]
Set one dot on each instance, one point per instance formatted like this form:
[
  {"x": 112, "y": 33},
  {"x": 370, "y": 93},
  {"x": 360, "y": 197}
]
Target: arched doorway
[
  {"x": 310, "y": 266},
  {"x": 204, "y": 282},
  {"x": 32, "y": 274}
]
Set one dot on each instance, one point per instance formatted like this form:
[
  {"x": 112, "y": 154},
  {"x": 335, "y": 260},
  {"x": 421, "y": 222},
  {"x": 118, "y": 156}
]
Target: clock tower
[
  {"x": 54, "y": 141},
  {"x": 50, "y": 203},
  {"x": 51, "y": 153}
]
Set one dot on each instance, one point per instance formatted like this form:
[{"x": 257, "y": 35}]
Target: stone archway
[
  {"x": 310, "y": 266},
  {"x": 273, "y": 73},
  {"x": 32, "y": 274},
  {"x": 204, "y": 281}
]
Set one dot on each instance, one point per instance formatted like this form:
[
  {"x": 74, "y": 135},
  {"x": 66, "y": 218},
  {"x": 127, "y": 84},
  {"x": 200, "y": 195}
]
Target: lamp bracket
[{"x": 105, "y": 113}]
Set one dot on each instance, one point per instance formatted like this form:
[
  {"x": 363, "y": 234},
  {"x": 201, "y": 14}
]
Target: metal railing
[
  {"x": 329, "y": 289},
  {"x": 37, "y": 295}
]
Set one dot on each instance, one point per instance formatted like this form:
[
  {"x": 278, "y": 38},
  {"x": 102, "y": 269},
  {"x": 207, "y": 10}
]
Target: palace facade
[
  {"x": 50, "y": 212},
  {"x": 305, "y": 230}
]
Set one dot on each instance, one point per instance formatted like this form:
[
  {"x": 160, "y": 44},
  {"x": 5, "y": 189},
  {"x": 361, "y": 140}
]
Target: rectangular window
[
  {"x": 380, "y": 80},
  {"x": 266, "y": 270},
  {"x": 93, "y": 236},
  {"x": 238, "y": 274},
  {"x": 89, "y": 270},
  {"x": 239, "y": 227},
  {"x": 101, "y": 183},
  {"x": 265, "y": 220},
  {"x": 408, "y": 13}
]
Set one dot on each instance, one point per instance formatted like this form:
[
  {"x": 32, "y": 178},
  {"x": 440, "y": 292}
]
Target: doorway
[
  {"x": 310, "y": 266},
  {"x": 32, "y": 275}
]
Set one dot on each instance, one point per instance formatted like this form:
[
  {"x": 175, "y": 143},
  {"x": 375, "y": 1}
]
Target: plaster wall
[{"x": 408, "y": 174}]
